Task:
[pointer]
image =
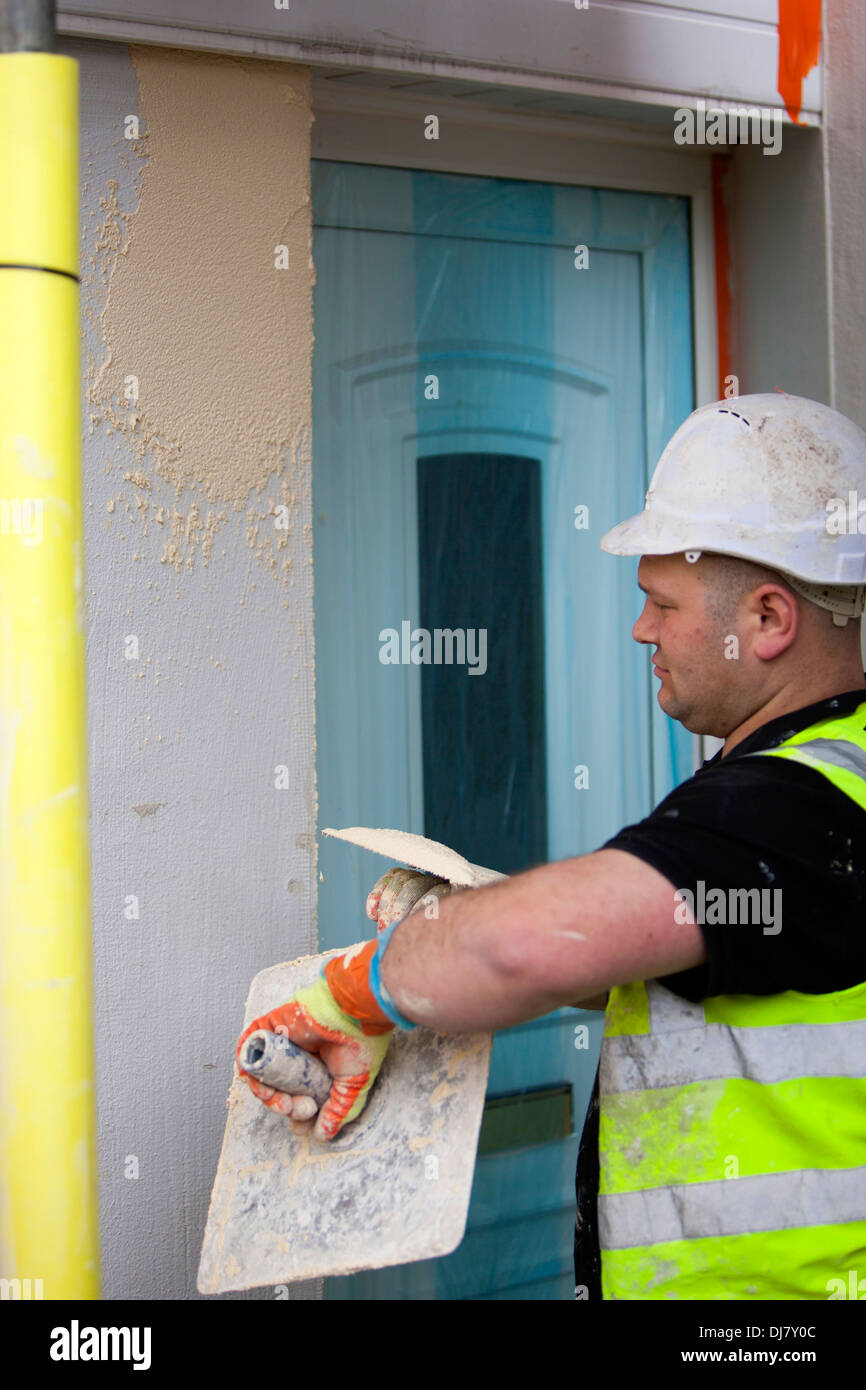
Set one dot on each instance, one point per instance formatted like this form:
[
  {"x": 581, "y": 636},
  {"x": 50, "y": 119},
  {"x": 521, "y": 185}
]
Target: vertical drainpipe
[{"x": 48, "y": 1219}]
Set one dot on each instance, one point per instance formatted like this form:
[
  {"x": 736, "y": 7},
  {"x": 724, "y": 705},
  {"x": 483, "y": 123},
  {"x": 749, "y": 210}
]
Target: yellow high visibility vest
[{"x": 732, "y": 1132}]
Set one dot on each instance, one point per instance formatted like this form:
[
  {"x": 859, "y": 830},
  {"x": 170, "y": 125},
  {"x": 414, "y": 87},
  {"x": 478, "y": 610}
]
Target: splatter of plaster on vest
[{"x": 219, "y": 339}]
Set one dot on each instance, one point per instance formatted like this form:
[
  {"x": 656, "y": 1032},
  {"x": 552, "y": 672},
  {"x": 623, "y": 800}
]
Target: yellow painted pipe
[{"x": 48, "y": 1218}]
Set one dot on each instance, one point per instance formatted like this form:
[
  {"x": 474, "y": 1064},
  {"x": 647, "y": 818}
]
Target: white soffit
[{"x": 635, "y": 50}]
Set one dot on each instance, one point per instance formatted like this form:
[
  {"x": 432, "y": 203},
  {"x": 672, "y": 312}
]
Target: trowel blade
[{"x": 418, "y": 852}]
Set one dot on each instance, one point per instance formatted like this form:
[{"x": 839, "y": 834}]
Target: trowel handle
[{"x": 275, "y": 1061}]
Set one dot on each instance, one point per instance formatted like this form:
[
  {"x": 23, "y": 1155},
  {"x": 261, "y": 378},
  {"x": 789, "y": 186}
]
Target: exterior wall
[
  {"x": 200, "y": 637},
  {"x": 797, "y": 240},
  {"x": 845, "y": 122},
  {"x": 778, "y": 251}
]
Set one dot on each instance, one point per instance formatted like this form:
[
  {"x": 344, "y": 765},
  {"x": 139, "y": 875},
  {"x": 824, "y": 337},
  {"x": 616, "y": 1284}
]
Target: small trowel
[{"x": 394, "y": 1185}]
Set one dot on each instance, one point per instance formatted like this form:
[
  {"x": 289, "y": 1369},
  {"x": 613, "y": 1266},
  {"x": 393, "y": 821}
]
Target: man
[{"x": 726, "y": 1143}]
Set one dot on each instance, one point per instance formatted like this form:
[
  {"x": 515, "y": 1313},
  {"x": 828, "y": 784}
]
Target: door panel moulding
[{"x": 364, "y": 126}]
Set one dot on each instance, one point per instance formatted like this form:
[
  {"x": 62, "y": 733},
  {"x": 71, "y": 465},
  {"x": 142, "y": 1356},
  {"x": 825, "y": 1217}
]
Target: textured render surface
[
  {"x": 392, "y": 1187},
  {"x": 199, "y": 607}
]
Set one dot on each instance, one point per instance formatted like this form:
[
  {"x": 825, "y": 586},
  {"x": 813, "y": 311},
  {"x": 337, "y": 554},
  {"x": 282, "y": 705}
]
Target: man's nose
[{"x": 644, "y": 628}]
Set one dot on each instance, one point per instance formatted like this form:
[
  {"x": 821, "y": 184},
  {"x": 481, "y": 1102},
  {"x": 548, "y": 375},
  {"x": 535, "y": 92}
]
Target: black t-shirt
[{"x": 743, "y": 823}]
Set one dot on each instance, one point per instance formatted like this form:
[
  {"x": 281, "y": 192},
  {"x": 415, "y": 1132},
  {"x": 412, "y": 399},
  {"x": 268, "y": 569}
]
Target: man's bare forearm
[
  {"x": 451, "y": 973},
  {"x": 491, "y": 957},
  {"x": 561, "y": 934},
  {"x": 485, "y": 962}
]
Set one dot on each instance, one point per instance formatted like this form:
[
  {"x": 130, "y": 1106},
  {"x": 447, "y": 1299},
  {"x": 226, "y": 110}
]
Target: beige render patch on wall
[{"x": 218, "y": 339}]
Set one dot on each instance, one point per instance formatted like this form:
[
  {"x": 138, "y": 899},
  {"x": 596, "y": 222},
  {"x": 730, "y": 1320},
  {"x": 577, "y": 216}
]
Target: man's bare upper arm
[
  {"x": 547, "y": 938},
  {"x": 607, "y": 919}
]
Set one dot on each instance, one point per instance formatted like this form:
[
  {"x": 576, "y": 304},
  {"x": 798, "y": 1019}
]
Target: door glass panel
[{"x": 482, "y": 694}]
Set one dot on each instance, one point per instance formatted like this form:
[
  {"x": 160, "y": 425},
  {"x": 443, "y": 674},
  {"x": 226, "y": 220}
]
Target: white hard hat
[{"x": 775, "y": 479}]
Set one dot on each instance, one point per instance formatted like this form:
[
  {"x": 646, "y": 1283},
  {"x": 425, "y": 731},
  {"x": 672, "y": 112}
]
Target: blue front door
[{"x": 496, "y": 366}]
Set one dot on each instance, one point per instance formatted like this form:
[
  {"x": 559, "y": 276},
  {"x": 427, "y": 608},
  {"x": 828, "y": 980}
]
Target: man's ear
[{"x": 774, "y": 613}]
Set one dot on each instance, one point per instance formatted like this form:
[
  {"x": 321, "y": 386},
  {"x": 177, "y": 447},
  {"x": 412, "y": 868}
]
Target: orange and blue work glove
[{"x": 347, "y": 1017}]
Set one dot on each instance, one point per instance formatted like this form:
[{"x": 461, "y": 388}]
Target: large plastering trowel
[
  {"x": 419, "y": 853},
  {"x": 394, "y": 1185}
]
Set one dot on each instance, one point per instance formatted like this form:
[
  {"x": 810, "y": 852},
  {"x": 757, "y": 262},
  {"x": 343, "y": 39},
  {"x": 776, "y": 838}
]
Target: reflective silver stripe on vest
[
  {"x": 783, "y": 1052},
  {"x": 669, "y": 1013},
  {"x": 732, "y": 1206},
  {"x": 839, "y": 752}
]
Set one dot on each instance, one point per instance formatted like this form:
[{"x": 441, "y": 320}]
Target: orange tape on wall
[{"x": 799, "y": 41}]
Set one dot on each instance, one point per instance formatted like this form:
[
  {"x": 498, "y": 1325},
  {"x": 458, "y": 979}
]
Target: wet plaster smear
[{"x": 198, "y": 570}]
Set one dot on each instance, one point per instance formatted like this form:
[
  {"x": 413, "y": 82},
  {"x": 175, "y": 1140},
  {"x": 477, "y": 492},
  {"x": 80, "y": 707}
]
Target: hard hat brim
[
  {"x": 632, "y": 537},
  {"x": 642, "y": 536}
]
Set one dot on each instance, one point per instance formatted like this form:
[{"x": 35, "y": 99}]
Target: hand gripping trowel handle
[{"x": 275, "y": 1061}]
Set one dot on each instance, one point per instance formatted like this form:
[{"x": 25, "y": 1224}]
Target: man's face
[{"x": 689, "y": 657}]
